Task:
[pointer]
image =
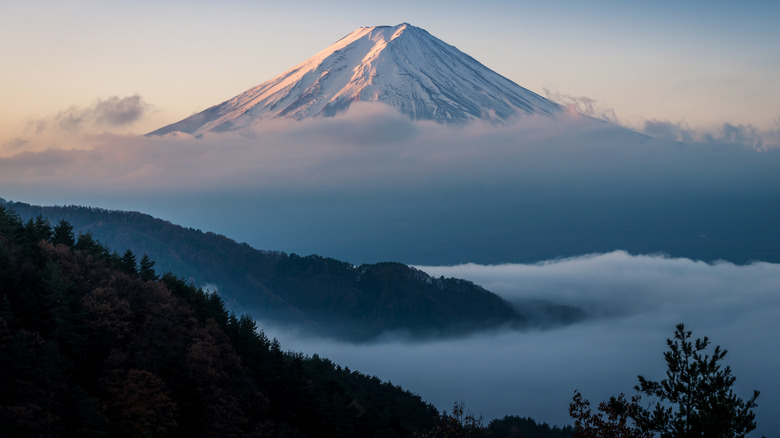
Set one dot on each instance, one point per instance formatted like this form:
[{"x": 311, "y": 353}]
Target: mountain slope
[
  {"x": 402, "y": 66},
  {"x": 317, "y": 294},
  {"x": 89, "y": 350}
]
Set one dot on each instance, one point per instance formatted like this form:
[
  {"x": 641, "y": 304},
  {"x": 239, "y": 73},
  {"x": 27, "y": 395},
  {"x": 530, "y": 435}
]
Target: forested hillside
[
  {"x": 319, "y": 294},
  {"x": 93, "y": 345},
  {"x": 87, "y": 349}
]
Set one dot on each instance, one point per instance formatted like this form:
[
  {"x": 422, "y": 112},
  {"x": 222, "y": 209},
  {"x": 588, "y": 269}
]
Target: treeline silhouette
[{"x": 94, "y": 344}]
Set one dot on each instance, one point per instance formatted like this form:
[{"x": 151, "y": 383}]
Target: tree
[
  {"x": 459, "y": 424},
  {"x": 87, "y": 243},
  {"x": 613, "y": 419},
  {"x": 139, "y": 405},
  {"x": 42, "y": 228},
  {"x": 63, "y": 234},
  {"x": 513, "y": 426},
  {"x": 146, "y": 269},
  {"x": 127, "y": 263},
  {"x": 696, "y": 397},
  {"x": 694, "y": 400}
]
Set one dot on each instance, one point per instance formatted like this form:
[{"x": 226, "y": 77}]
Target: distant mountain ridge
[
  {"x": 402, "y": 66},
  {"x": 313, "y": 293}
]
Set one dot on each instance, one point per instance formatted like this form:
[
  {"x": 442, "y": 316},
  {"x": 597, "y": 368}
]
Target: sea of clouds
[{"x": 632, "y": 302}]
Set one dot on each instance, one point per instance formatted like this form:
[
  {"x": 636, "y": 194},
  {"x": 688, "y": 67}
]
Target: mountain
[
  {"x": 402, "y": 66},
  {"x": 315, "y": 294}
]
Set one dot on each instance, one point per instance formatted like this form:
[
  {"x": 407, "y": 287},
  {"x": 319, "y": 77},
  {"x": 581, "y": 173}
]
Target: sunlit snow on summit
[{"x": 402, "y": 66}]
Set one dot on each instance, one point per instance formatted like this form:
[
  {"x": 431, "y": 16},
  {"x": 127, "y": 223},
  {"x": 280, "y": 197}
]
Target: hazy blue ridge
[{"x": 313, "y": 293}]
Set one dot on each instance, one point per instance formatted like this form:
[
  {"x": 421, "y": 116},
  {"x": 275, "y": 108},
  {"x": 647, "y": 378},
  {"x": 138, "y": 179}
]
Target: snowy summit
[{"x": 402, "y": 66}]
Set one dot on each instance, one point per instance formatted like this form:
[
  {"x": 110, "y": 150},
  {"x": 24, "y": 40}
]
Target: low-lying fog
[{"x": 633, "y": 304}]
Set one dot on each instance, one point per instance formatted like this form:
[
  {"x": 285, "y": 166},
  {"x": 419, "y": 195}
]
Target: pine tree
[
  {"x": 42, "y": 228},
  {"x": 128, "y": 263},
  {"x": 86, "y": 242},
  {"x": 146, "y": 269},
  {"x": 63, "y": 234},
  {"x": 696, "y": 397}
]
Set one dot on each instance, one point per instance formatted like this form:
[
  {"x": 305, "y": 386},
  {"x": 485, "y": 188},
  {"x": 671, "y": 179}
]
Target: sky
[{"x": 697, "y": 65}]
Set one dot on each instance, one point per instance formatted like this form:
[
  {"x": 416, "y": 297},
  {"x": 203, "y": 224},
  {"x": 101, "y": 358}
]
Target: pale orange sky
[{"x": 701, "y": 64}]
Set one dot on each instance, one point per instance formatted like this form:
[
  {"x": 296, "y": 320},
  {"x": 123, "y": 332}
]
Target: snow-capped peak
[{"x": 402, "y": 66}]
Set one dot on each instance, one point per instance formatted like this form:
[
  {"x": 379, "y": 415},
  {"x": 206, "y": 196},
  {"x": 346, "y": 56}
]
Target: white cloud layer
[
  {"x": 634, "y": 303},
  {"x": 369, "y": 144},
  {"x": 372, "y": 185}
]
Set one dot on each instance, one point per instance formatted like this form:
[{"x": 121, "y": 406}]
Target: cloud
[
  {"x": 372, "y": 146},
  {"x": 70, "y": 128},
  {"x": 76, "y": 127},
  {"x": 113, "y": 112},
  {"x": 634, "y": 303},
  {"x": 583, "y": 105},
  {"x": 116, "y": 111},
  {"x": 666, "y": 130},
  {"x": 736, "y": 134},
  {"x": 745, "y": 135},
  {"x": 15, "y": 145},
  {"x": 620, "y": 285}
]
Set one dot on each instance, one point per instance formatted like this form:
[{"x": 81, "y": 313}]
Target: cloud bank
[
  {"x": 371, "y": 144},
  {"x": 634, "y": 302},
  {"x": 372, "y": 185}
]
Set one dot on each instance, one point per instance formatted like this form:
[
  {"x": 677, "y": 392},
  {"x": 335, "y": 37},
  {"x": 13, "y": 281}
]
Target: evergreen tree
[
  {"x": 9, "y": 221},
  {"x": 695, "y": 400},
  {"x": 696, "y": 397},
  {"x": 146, "y": 269},
  {"x": 86, "y": 242},
  {"x": 42, "y": 229},
  {"x": 63, "y": 234},
  {"x": 128, "y": 264}
]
